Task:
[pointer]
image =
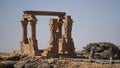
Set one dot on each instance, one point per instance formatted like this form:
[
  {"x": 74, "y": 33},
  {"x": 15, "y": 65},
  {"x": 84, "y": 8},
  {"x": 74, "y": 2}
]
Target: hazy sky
[{"x": 94, "y": 21}]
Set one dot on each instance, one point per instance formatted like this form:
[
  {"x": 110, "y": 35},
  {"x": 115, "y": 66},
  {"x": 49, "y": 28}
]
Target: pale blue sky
[{"x": 94, "y": 21}]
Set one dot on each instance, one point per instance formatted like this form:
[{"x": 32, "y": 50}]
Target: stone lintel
[{"x": 45, "y": 13}]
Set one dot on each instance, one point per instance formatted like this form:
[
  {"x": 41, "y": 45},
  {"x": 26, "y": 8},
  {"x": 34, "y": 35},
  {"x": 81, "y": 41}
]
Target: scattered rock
[
  {"x": 48, "y": 63},
  {"x": 102, "y": 50},
  {"x": 119, "y": 48},
  {"x": 13, "y": 58},
  {"x": 7, "y": 64},
  {"x": 1, "y": 58},
  {"x": 20, "y": 64}
]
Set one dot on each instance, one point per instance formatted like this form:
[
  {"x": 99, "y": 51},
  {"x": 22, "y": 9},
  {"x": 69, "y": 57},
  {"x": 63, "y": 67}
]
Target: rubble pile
[
  {"x": 103, "y": 50},
  {"x": 53, "y": 63},
  {"x": 33, "y": 62}
]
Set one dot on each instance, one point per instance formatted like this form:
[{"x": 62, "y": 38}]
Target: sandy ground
[
  {"x": 62, "y": 63},
  {"x": 92, "y": 65}
]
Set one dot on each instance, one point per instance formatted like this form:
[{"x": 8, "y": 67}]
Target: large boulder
[
  {"x": 1, "y": 58},
  {"x": 7, "y": 64},
  {"x": 13, "y": 58},
  {"x": 20, "y": 64},
  {"x": 102, "y": 50},
  {"x": 119, "y": 48}
]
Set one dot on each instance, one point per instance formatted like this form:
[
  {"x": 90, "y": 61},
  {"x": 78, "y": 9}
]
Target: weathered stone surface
[
  {"x": 1, "y": 58},
  {"x": 102, "y": 50},
  {"x": 6, "y": 64},
  {"x": 46, "y": 13},
  {"x": 20, "y": 64},
  {"x": 13, "y": 58},
  {"x": 60, "y": 45},
  {"x": 35, "y": 62},
  {"x": 119, "y": 48}
]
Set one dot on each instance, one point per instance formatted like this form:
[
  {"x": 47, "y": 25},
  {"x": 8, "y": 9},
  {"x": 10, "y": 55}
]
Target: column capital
[
  {"x": 33, "y": 20},
  {"x": 24, "y": 21},
  {"x": 61, "y": 17},
  {"x": 67, "y": 17},
  {"x": 60, "y": 21},
  {"x": 32, "y": 17}
]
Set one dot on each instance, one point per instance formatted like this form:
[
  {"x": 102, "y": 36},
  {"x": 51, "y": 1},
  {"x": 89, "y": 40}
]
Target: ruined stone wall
[{"x": 58, "y": 45}]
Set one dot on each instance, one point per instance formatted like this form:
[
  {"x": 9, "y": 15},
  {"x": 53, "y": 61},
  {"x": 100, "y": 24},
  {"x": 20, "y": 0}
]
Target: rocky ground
[
  {"x": 38, "y": 62},
  {"x": 103, "y": 51}
]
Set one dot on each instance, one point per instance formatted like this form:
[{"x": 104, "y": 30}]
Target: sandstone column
[
  {"x": 52, "y": 51},
  {"x": 68, "y": 27},
  {"x": 24, "y": 23},
  {"x": 67, "y": 35},
  {"x": 33, "y": 42},
  {"x": 53, "y": 27},
  {"x": 33, "y": 21},
  {"x": 59, "y": 27}
]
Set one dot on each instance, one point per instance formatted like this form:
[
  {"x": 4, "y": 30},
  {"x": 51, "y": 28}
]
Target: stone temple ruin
[{"x": 60, "y": 45}]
